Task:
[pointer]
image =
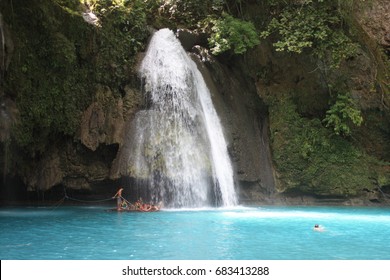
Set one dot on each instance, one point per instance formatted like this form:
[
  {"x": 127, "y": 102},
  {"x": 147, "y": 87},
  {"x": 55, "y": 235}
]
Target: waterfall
[{"x": 178, "y": 147}]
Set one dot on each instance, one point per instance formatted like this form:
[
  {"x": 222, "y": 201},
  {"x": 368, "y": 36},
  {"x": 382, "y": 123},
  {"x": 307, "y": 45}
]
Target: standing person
[{"x": 119, "y": 198}]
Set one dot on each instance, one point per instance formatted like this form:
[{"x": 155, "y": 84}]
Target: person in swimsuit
[{"x": 119, "y": 199}]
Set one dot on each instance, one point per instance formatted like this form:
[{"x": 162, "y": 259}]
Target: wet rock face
[
  {"x": 8, "y": 116},
  {"x": 104, "y": 120},
  {"x": 46, "y": 174},
  {"x": 6, "y": 47},
  {"x": 8, "y": 110},
  {"x": 189, "y": 39},
  {"x": 375, "y": 19}
]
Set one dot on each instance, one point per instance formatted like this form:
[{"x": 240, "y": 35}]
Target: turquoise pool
[{"x": 243, "y": 233}]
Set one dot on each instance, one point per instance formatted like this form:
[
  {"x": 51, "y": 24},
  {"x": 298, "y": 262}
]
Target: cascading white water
[{"x": 178, "y": 146}]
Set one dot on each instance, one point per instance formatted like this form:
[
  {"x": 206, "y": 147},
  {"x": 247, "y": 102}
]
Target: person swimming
[{"x": 318, "y": 228}]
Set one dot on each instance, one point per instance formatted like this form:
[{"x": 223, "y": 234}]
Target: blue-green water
[{"x": 281, "y": 233}]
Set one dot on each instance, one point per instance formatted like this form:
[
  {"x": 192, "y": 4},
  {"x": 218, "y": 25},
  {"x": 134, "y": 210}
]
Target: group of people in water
[{"x": 123, "y": 205}]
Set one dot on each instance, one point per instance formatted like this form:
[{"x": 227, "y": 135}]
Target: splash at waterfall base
[{"x": 176, "y": 145}]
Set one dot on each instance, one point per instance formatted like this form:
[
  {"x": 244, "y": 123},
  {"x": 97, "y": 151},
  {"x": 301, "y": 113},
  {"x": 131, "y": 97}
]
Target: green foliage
[
  {"x": 229, "y": 33},
  {"x": 182, "y": 13},
  {"x": 122, "y": 35},
  {"x": 299, "y": 28},
  {"x": 336, "y": 49},
  {"x": 342, "y": 114},
  {"x": 312, "y": 25}
]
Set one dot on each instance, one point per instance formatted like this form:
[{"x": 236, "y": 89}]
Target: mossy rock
[{"x": 310, "y": 159}]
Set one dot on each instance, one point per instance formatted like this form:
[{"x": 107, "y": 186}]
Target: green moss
[
  {"x": 46, "y": 78},
  {"x": 312, "y": 160},
  {"x": 60, "y": 61}
]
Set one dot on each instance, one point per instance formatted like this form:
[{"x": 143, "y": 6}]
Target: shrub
[
  {"x": 229, "y": 33},
  {"x": 342, "y": 115}
]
